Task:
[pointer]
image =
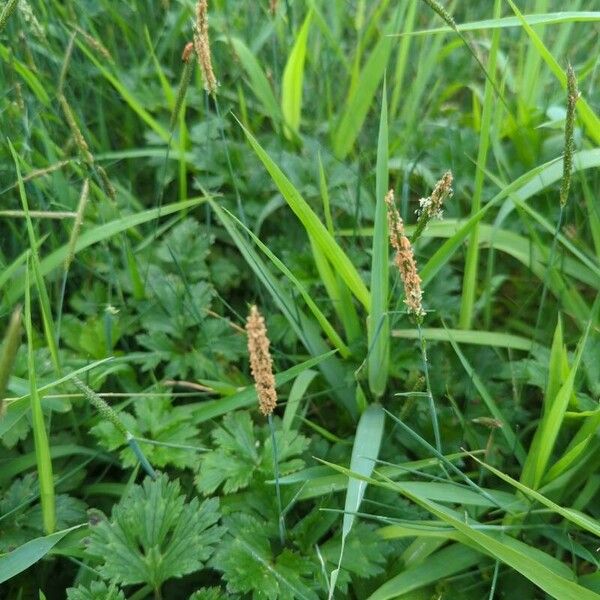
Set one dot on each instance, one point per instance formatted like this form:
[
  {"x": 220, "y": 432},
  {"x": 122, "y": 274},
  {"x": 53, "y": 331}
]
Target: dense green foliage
[{"x": 450, "y": 456}]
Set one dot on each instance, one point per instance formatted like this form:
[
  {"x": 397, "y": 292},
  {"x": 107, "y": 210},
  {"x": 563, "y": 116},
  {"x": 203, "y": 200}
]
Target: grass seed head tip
[{"x": 261, "y": 363}]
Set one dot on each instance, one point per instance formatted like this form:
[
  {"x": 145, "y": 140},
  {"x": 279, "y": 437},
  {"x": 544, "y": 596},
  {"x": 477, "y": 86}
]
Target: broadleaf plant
[{"x": 154, "y": 535}]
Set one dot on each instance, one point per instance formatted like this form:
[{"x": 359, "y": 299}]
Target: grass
[{"x": 454, "y": 455}]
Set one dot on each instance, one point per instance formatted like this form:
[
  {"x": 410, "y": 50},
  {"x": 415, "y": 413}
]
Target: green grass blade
[
  {"x": 551, "y": 18},
  {"x": 298, "y": 390},
  {"x": 365, "y": 451},
  {"x": 47, "y": 319},
  {"x": 40, "y": 437},
  {"x": 128, "y": 97},
  {"x": 479, "y": 338},
  {"x": 313, "y": 225},
  {"x": 361, "y": 96},
  {"x": 472, "y": 259},
  {"x": 573, "y": 516},
  {"x": 449, "y": 561},
  {"x": 10, "y": 346},
  {"x": 211, "y": 409},
  {"x": 293, "y": 79},
  {"x": 21, "y": 558},
  {"x": 257, "y": 79},
  {"x": 586, "y": 113},
  {"x": 530, "y": 562},
  {"x": 554, "y": 413},
  {"x": 556, "y": 374},
  {"x": 509, "y": 435},
  {"x": 378, "y": 320},
  {"x": 327, "y": 328}
]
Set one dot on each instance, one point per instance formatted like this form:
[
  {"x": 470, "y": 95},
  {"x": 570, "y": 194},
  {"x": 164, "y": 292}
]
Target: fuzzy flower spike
[
  {"x": 261, "y": 363},
  {"x": 405, "y": 260},
  {"x": 202, "y": 47}
]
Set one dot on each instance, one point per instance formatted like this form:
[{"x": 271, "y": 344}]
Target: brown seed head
[
  {"x": 432, "y": 206},
  {"x": 261, "y": 363},
  {"x": 405, "y": 260},
  {"x": 187, "y": 51},
  {"x": 202, "y": 46}
]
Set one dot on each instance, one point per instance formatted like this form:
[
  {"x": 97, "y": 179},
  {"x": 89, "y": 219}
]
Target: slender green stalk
[
  {"x": 281, "y": 516},
  {"x": 83, "y": 199},
  {"x": 40, "y": 436},
  {"x": 432, "y": 410}
]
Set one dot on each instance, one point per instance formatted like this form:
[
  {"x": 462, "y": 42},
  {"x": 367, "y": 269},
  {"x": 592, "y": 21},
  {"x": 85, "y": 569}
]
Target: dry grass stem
[
  {"x": 261, "y": 363},
  {"x": 405, "y": 260},
  {"x": 202, "y": 47}
]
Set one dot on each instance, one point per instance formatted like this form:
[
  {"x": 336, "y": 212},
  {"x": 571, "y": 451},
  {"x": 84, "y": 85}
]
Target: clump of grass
[
  {"x": 12, "y": 340},
  {"x": 202, "y": 47},
  {"x": 261, "y": 365}
]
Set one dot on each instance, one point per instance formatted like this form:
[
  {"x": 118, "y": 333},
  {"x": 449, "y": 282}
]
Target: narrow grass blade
[
  {"x": 365, "y": 451},
  {"x": 20, "y": 559},
  {"x": 550, "y": 18},
  {"x": 586, "y": 113},
  {"x": 313, "y": 225},
  {"x": 378, "y": 320},
  {"x": 449, "y": 561},
  {"x": 575, "y": 517},
  {"x": 472, "y": 259},
  {"x": 128, "y": 96},
  {"x": 509, "y": 435},
  {"x": 305, "y": 328},
  {"x": 536, "y": 566},
  {"x": 295, "y": 396},
  {"x": 328, "y": 329},
  {"x": 257, "y": 78},
  {"x": 361, "y": 95},
  {"x": 293, "y": 79},
  {"x": 40, "y": 437},
  {"x": 552, "y": 419},
  {"x": 47, "y": 319},
  {"x": 479, "y": 338}
]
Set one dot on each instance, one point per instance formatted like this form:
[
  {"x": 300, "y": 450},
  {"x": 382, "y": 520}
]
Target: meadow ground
[{"x": 299, "y": 299}]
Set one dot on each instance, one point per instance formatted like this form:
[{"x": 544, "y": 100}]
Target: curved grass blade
[
  {"x": 293, "y": 79},
  {"x": 313, "y": 225},
  {"x": 378, "y": 320},
  {"x": 364, "y": 455},
  {"x": 15, "y": 562}
]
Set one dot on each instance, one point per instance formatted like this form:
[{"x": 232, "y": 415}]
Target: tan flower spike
[
  {"x": 405, "y": 260},
  {"x": 202, "y": 46},
  {"x": 261, "y": 363}
]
